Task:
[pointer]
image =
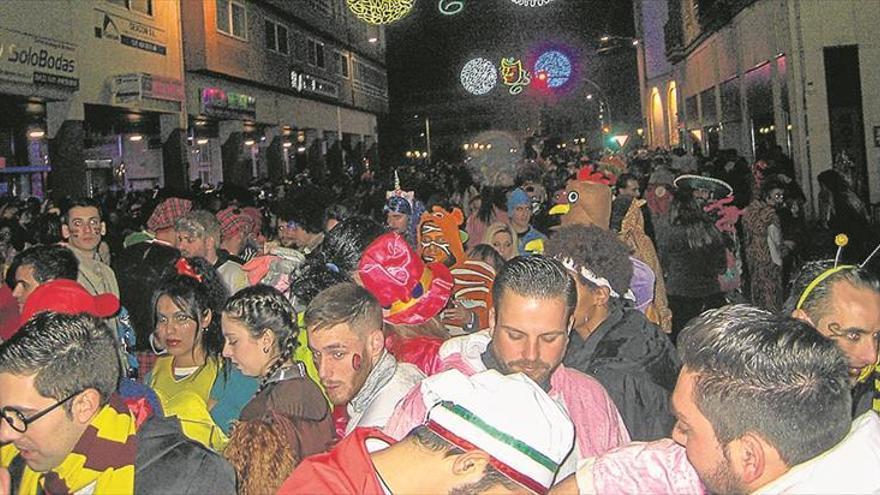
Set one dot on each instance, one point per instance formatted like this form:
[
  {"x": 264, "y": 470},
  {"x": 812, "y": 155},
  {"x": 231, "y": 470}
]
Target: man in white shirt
[{"x": 344, "y": 324}]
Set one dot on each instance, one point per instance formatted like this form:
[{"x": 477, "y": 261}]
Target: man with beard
[
  {"x": 344, "y": 324},
  {"x": 763, "y": 406},
  {"x": 528, "y": 333},
  {"x": 198, "y": 235},
  {"x": 486, "y": 433},
  {"x": 843, "y": 304}
]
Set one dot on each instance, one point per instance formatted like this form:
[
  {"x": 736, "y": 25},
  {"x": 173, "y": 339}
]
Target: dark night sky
[{"x": 426, "y": 50}]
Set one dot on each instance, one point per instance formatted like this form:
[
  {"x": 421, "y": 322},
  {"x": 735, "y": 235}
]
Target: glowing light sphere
[
  {"x": 380, "y": 11},
  {"x": 531, "y": 3},
  {"x": 479, "y": 76},
  {"x": 554, "y": 68}
]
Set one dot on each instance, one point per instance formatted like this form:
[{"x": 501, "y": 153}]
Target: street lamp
[
  {"x": 610, "y": 42},
  {"x": 604, "y": 107},
  {"x": 426, "y": 135}
]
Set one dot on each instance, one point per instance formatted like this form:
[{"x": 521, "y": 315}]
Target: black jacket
[
  {"x": 141, "y": 268},
  {"x": 168, "y": 462},
  {"x": 638, "y": 366}
]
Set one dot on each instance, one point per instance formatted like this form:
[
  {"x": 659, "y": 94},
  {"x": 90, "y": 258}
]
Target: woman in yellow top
[{"x": 191, "y": 378}]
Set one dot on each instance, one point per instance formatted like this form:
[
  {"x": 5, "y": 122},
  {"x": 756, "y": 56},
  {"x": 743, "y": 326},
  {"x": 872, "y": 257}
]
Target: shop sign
[
  {"x": 126, "y": 88},
  {"x": 35, "y": 59},
  {"x": 307, "y": 83},
  {"x": 161, "y": 88},
  {"x": 136, "y": 87},
  {"x": 130, "y": 32},
  {"x": 228, "y": 104}
]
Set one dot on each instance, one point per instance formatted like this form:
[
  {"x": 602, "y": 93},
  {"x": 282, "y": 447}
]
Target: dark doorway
[{"x": 842, "y": 78}]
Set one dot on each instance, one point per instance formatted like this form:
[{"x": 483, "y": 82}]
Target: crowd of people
[{"x": 584, "y": 323}]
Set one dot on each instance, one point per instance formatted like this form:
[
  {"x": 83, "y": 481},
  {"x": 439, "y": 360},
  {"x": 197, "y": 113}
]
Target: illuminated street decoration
[
  {"x": 380, "y": 11},
  {"x": 531, "y": 3},
  {"x": 479, "y": 76},
  {"x": 513, "y": 75},
  {"x": 554, "y": 68},
  {"x": 450, "y": 7}
]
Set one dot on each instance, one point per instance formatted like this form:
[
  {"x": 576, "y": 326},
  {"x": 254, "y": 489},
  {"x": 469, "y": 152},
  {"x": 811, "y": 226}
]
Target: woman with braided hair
[{"x": 288, "y": 418}]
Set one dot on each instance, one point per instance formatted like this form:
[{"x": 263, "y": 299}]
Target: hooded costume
[
  {"x": 440, "y": 240},
  {"x": 632, "y": 233},
  {"x": 404, "y": 202},
  {"x": 531, "y": 241}
]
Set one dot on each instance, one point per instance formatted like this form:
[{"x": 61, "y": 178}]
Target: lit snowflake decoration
[
  {"x": 479, "y": 76},
  {"x": 531, "y": 3},
  {"x": 380, "y": 11},
  {"x": 556, "y": 66}
]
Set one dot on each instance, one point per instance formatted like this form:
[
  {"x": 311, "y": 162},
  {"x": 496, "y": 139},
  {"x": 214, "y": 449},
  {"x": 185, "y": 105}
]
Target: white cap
[{"x": 526, "y": 433}]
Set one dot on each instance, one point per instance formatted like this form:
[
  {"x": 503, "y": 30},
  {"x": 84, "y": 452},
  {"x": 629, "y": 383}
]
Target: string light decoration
[
  {"x": 450, "y": 7},
  {"x": 514, "y": 75},
  {"x": 380, "y": 11},
  {"x": 531, "y": 3},
  {"x": 479, "y": 76},
  {"x": 553, "y": 68}
]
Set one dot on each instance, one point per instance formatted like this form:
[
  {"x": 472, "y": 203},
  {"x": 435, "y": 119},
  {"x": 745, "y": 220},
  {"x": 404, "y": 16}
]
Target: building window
[
  {"x": 322, "y": 7},
  {"x": 141, "y": 6},
  {"x": 316, "y": 54},
  {"x": 656, "y": 126},
  {"x": 341, "y": 64},
  {"x": 276, "y": 37},
  {"x": 232, "y": 18},
  {"x": 369, "y": 80}
]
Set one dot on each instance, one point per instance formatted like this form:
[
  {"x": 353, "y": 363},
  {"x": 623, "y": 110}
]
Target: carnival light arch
[
  {"x": 531, "y": 3},
  {"x": 479, "y": 76},
  {"x": 554, "y": 68},
  {"x": 380, "y": 11}
]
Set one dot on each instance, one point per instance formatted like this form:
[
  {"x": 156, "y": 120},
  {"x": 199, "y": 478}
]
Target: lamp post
[
  {"x": 604, "y": 107},
  {"x": 427, "y": 135}
]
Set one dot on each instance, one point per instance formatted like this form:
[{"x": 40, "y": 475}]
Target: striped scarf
[{"x": 101, "y": 462}]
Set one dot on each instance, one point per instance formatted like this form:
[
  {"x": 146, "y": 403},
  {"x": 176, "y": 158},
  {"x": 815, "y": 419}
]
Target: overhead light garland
[
  {"x": 514, "y": 75},
  {"x": 450, "y": 7},
  {"x": 553, "y": 69},
  {"x": 380, "y": 11},
  {"x": 531, "y": 3},
  {"x": 479, "y": 76}
]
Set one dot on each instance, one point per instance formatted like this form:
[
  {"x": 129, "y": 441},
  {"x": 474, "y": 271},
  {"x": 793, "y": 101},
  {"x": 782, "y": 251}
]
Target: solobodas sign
[{"x": 34, "y": 59}]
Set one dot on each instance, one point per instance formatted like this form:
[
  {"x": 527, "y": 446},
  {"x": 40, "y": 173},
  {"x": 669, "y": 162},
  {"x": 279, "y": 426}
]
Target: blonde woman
[{"x": 502, "y": 237}]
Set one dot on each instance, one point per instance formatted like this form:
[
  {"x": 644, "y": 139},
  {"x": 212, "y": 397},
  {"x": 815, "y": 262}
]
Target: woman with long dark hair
[
  {"x": 192, "y": 379},
  {"x": 693, "y": 257}
]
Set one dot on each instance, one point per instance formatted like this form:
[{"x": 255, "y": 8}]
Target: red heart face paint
[{"x": 356, "y": 361}]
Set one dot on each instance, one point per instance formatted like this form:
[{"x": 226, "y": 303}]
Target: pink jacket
[
  {"x": 651, "y": 468},
  {"x": 598, "y": 425}
]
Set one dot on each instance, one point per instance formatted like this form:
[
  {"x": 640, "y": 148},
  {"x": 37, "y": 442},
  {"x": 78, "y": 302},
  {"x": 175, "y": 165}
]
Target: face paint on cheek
[{"x": 356, "y": 361}]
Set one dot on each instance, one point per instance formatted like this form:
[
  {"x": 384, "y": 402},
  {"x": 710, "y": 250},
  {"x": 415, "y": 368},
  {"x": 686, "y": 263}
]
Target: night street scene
[{"x": 456, "y": 247}]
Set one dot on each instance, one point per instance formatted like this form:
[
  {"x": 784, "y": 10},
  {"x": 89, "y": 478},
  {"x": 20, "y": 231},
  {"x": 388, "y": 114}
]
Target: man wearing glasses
[
  {"x": 301, "y": 220},
  {"x": 64, "y": 429}
]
